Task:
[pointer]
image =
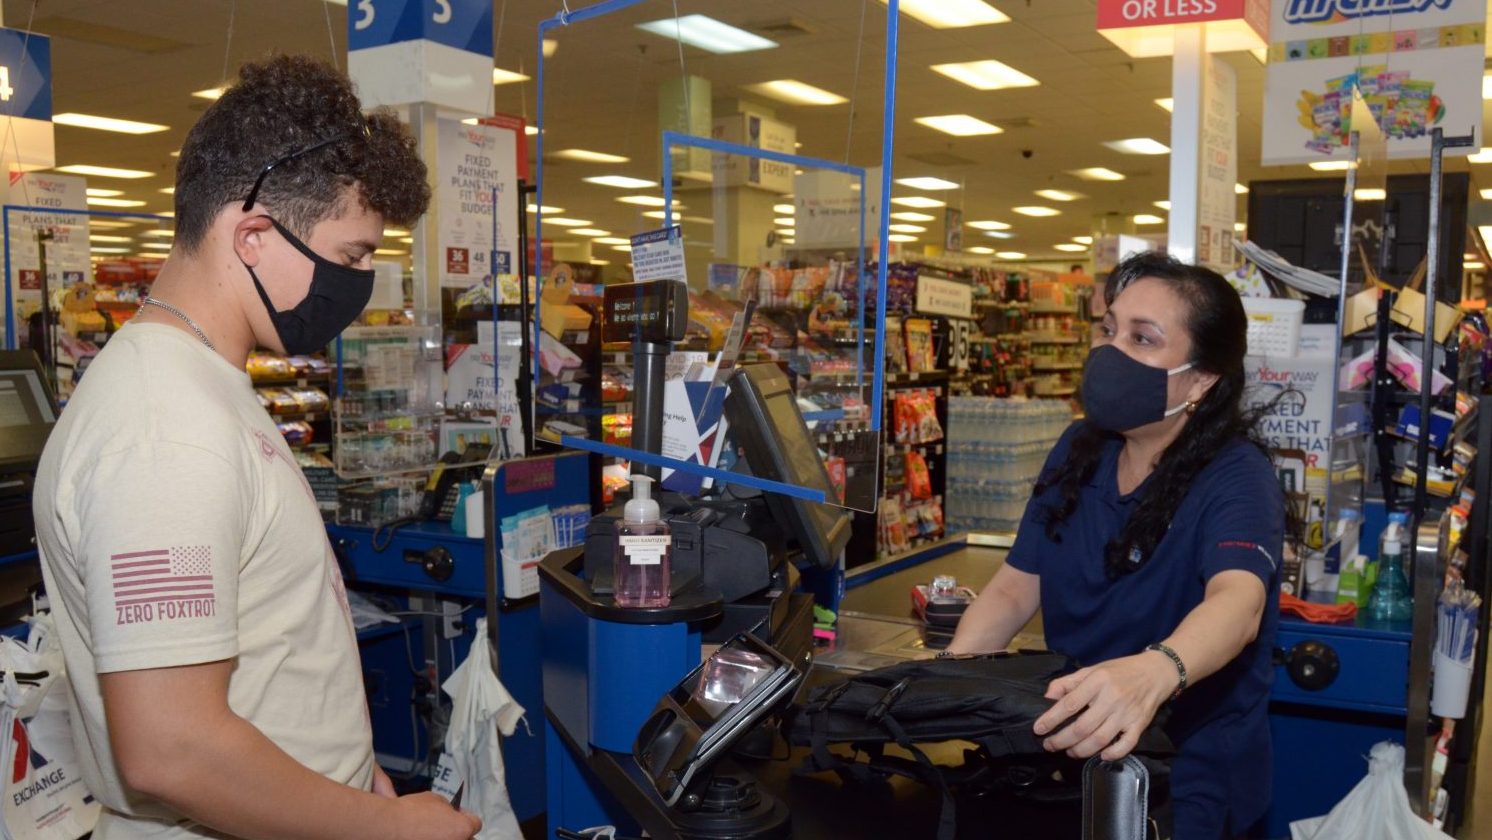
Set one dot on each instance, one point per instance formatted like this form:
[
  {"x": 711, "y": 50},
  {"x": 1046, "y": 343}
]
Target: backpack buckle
[
  {"x": 827, "y": 699},
  {"x": 883, "y": 705}
]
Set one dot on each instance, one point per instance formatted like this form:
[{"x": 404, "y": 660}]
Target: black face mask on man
[
  {"x": 1122, "y": 393},
  {"x": 337, "y": 295}
]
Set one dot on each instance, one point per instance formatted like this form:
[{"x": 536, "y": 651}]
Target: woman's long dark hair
[{"x": 1218, "y": 329}]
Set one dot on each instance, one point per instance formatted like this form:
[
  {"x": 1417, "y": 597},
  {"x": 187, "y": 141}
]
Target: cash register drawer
[{"x": 1343, "y": 667}]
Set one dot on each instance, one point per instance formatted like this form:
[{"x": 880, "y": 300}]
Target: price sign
[{"x": 960, "y": 334}]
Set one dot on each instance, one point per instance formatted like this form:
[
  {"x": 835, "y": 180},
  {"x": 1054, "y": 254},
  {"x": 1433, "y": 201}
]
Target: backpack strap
[{"x": 931, "y": 774}]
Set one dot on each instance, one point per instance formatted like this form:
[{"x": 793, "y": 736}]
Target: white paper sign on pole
[
  {"x": 827, "y": 208},
  {"x": 1419, "y": 68},
  {"x": 472, "y": 161},
  {"x": 1218, "y": 167},
  {"x": 659, "y": 255},
  {"x": 67, "y": 249}
]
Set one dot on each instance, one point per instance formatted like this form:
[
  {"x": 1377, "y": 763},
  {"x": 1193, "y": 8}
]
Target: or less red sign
[{"x": 1121, "y": 14}]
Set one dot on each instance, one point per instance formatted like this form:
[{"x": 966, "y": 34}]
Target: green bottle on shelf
[{"x": 1391, "y": 601}]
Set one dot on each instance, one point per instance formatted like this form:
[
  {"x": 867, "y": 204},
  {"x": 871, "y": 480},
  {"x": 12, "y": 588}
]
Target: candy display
[
  {"x": 1403, "y": 107},
  {"x": 916, "y": 414},
  {"x": 921, "y": 355}
]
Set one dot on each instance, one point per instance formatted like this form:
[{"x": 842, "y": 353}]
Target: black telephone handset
[{"x": 443, "y": 489}]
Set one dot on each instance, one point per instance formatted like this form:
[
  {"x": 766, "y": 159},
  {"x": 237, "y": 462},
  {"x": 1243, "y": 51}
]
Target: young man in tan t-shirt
[{"x": 214, "y": 667}]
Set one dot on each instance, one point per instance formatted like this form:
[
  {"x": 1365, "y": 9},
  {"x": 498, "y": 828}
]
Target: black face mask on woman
[
  {"x": 1121, "y": 393},
  {"x": 337, "y": 295}
]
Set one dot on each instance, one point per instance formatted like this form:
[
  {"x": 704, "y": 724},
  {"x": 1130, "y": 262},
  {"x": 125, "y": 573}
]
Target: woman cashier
[{"x": 1151, "y": 544}]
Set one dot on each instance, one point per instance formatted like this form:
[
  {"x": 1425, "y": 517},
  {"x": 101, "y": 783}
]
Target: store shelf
[
  {"x": 1044, "y": 309},
  {"x": 312, "y": 381},
  {"x": 1052, "y": 338},
  {"x": 1060, "y": 392},
  {"x": 925, "y": 377},
  {"x": 931, "y": 448},
  {"x": 1045, "y": 366}
]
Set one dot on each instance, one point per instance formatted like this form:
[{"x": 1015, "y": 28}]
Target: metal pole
[{"x": 647, "y": 403}]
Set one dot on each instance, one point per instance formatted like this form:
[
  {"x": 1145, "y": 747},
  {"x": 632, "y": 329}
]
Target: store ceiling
[{"x": 141, "y": 60}]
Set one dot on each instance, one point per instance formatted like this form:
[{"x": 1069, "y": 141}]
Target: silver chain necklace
[{"x": 150, "y": 301}]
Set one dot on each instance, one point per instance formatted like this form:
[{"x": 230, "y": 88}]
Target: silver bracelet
[{"x": 1175, "y": 660}]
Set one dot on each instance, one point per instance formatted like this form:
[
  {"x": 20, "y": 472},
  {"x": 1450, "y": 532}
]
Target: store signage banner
[
  {"x": 761, "y": 133},
  {"x": 401, "y": 52},
  {"x": 472, "y": 379},
  {"x": 1301, "y": 420},
  {"x": 953, "y": 230},
  {"x": 1122, "y": 14},
  {"x": 1217, "y": 202},
  {"x": 936, "y": 296},
  {"x": 460, "y": 24},
  {"x": 26, "y": 100},
  {"x": 659, "y": 255},
  {"x": 1418, "y": 64},
  {"x": 471, "y": 162},
  {"x": 827, "y": 209},
  {"x": 67, "y": 250}
]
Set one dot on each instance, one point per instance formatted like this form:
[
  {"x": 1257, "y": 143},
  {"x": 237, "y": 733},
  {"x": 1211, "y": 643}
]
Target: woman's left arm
[{"x": 1122, "y": 695}]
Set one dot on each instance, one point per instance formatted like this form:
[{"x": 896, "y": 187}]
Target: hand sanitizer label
[{"x": 646, "y": 550}]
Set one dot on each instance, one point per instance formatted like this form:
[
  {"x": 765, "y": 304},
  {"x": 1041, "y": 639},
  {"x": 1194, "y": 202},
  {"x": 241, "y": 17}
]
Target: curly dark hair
[
  {"x": 1218, "y": 329},
  {"x": 278, "y": 107}
]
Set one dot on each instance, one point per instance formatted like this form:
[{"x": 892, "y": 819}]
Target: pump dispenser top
[{"x": 642, "y": 507}]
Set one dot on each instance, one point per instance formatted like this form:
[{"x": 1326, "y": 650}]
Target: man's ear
[{"x": 248, "y": 236}]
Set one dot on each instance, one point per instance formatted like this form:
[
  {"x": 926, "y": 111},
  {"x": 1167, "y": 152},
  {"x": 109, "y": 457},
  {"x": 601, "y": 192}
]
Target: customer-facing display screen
[{"x": 23, "y": 400}]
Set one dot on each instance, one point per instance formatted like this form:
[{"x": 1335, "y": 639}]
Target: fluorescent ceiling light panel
[
  {"x": 999, "y": 234},
  {"x": 109, "y": 250},
  {"x": 1482, "y": 155},
  {"x": 210, "y": 93},
  {"x": 114, "y": 202},
  {"x": 1037, "y": 211},
  {"x": 560, "y": 221},
  {"x": 103, "y": 171},
  {"x": 100, "y": 193},
  {"x": 600, "y": 262},
  {"x": 980, "y": 249},
  {"x": 960, "y": 125},
  {"x": 534, "y": 208},
  {"x": 155, "y": 232},
  {"x": 588, "y": 156},
  {"x": 907, "y": 228},
  {"x": 167, "y": 190},
  {"x": 699, "y": 220},
  {"x": 986, "y": 75},
  {"x": 1139, "y": 146},
  {"x": 909, "y": 216},
  {"x": 99, "y": 237},
  {"x": 1332, "y": 165},
  {"x": 655, "y": 214},
  {"x": 395, "y": 232},
  {"x": 551, "y": 47},
  {"x": 1486, "y": 196},
  {"x": 1487, "y": 85},
  {"x": 1473, "y": 265},
  {"x": 1167, "y": 103},
  {"x": 107, "y": 124},
  {"x": 784, "y": 232},
  {"x": 795, "y": 92},
  {"x": 953, "y": 14},
  {"x": 918, "y": 201},
  {"x": 391, "y": 252},
  {"x": 109, "y": 224},
  {"x": 163, "y": 246},
  {"x": 590, "y": 232},
  {"x": 530, "y": 130},
  {"x": 1148, "y": 219},
  {"x": 1239, "y": 227},
  {"x": 506, "y": 77},
  {"x": 1240, "y": 189},
  {"x": 623, "y": 248},
  {"x": 613, "y": 240},
  {"x": 621, "y": 182},
  {"x": 1164, "y": 205},
  {"x": 784, "y": 221},
  {"x": 708, "y": 34},
  {"x": 1083, "y": 240},
  {"x": 1070, "y": 247},
  {"x": 901, "y": 237},
  {"x": 1010, "y": 255},
  {"x": 931, "y": 184},
  {"x": 648, "y": 201},
  {"x": 1369, "y": 194},
  {"x": 1097, "y": 173},
  {"x": 986, "y": 224},
  {"x": 784, "y": 209},
  {"x": 1059, "y": 195}
]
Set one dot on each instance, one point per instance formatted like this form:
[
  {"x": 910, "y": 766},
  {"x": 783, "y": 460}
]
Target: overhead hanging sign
[
  {"x": 1145, "y": 28},
  {"x": 936, "y": 296},
  {"x": 1418, "y": 64},
  {"x": 26, "y": 100},
  {"x": 471, "y": 162},
  {"x": 659, "y": 255},
  {"x": 401, "y": 52}
]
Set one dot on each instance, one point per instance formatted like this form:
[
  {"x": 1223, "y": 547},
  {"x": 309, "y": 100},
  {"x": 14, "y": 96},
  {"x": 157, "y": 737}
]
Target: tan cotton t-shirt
[{"x": 176, "y": 529}]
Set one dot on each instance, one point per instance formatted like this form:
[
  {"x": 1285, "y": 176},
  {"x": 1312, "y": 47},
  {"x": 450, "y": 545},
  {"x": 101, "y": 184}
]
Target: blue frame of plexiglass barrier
[
  {"x": 893, "y": 19},
  {"x": 10, "y": 305}
]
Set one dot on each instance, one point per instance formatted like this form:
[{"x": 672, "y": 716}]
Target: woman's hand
[{"x": 1117, "y": 700}]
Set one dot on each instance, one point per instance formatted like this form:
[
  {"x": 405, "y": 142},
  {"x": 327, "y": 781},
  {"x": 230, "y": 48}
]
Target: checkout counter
[{"x": 28, "y": 410}]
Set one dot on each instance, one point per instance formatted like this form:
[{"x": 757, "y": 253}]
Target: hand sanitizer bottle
[{"x": 641, "y": 565}]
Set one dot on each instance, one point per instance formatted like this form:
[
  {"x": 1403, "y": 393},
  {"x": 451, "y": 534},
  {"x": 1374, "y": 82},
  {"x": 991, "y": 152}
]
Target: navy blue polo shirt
[{"x": 1231, "y": 518}]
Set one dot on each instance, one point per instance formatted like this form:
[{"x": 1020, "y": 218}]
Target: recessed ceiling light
[
  {"x": 505, "y": 77},
  {"x": 99, "y": 237},
  {"x": 1486, "y": 195},
  {"x": 1168, "y": 103},
  {"x": 176, "y": 154},
  {"x": 1239, "y": 227},
  {"x": 624, "y": 248},
  {"x": 907, "y": 228},
  {"x": 1070, "y": 247},
  {"x": 986, "y": 224},
  {"x": 531, "y": 130},
  {"x": 107, "y": 124},
  {"x": 560, "y": 221},
  {"x": 648, "y": 201},
  {"x": 1139, "y": 146},
  {"x": 1148, "y": 219},
  {"x": 1473, "y": 265},
  {"x": 101, "y": 193},
  {"x": 953, "y": 14},
  {"x": 110, "y": 224},
  {"x": 114, "y": 202},
  {"x": 1083, "y": 240},
  {"x": 210, "y": 93},
  {"x": 621, "y": 182},
  {"x": 699, "y": 220},
  {"x": 550, "y": 47},
  {"x": 588, "y": 156},
  {"x": 784, "y": 209},
  {"x": 979, "y": 249},
  {"x": 654, "y": 214},
  {"x": 153, "y": 231},
  {"x": 407, "y": 240},
  {"x": 161, "y": 246},
  {"x": 1164, "y": 205},
  {"x": 391, "y": 252},
  {"x": 786, "y": 232},
  {"x": 600, "y": 262},
  {"x": 1483, "y": 155},
  {"x": 1369, "y": 194},
  {"x": 960, "y": 125},
  {"x": 909, "y": 216},
  {"x": 534, "y": 208},
  {"x": 1037, "y": 210},
  {"x": 590, "y": 232},
  {"x": 927, "y": 183},
  {"x": 395, "y": 232},
  {"x": 797, "y": 93},
  {"x": 1240, "y": 189},
  {"x": 103, "y": 171},
  {"x": 1010, "y": 255},
  {"x": 918, "y": 201},
  {"x": 613, "y": 240},
  {"x": 109, "y": 250},
  {"x": 999, "y": 234},
  {"x": 707, "y": 33},
  {"x": 1331, "y": 165},
  {"x": 784, "y": 221},
  {"x": 167, "y": 190},
  {"x": 901, "y": 237},
  {"x": 986, "y": 75},
  {"x": 1059, "y": 195},
  {"x": 1097, "y": 173}
]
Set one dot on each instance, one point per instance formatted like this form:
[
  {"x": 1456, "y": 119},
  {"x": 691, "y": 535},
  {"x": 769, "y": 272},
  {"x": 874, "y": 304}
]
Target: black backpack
[{"x": 992, "y": 701}]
